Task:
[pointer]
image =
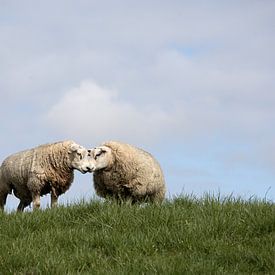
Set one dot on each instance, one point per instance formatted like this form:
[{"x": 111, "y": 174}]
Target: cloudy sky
[{"x": 192, "y": 82}]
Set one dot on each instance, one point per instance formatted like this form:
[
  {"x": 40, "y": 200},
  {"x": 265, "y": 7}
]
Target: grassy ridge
[{"x": 202, "y": 236}]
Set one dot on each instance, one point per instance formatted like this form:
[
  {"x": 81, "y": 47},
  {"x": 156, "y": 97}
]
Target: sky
[{"x": 192, "y": 82}]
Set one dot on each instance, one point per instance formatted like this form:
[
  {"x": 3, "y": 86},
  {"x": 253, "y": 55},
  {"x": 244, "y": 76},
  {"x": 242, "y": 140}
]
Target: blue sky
[{"x": 190, "y": 81}]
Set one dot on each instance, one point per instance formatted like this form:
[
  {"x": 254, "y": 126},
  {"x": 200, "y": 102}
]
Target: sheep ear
[{"x": 74, "y": 147}]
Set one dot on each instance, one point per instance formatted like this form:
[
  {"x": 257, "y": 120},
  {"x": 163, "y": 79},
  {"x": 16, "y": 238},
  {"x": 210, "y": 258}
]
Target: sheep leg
[
  {"x": 21, "y": 206},
  {"x": 4, "y": 191},
  {"x": 3, "y": 198},
  {"x": 54, "y": 198},
  {"x": 36, "y": 201},
  {"x": 34, "y": 185}
]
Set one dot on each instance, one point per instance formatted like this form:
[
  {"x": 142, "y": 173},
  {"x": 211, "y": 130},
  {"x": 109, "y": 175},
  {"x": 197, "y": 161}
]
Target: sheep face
[
  {"x": 80, "y": 159},
  {"x": 102, "y": 157}
]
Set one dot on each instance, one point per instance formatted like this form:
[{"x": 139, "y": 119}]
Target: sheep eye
[
  {"x": 98, "y": 154},
  {"x": 80, "y": 155}
]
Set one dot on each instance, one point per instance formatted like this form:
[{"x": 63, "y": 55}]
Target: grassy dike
[{"x": 182, "y": 236}]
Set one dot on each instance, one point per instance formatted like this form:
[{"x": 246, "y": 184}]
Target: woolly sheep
[
  {"x": 48, "y": 168},
  {"x": 123, "y": 171}
]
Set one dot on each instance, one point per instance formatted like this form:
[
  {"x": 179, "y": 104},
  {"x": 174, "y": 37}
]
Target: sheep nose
[{"x": 88, "y": 169}]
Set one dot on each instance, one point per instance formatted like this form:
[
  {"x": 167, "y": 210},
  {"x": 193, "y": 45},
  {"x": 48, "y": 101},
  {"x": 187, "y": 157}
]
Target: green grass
[{"x": 184, "y": 235}]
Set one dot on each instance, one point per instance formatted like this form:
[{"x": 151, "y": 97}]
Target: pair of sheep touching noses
[{"x": 120, "y": 171}]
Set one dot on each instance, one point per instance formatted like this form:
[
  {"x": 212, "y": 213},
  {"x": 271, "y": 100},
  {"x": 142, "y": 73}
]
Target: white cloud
[{"x": 95, "y": 114}]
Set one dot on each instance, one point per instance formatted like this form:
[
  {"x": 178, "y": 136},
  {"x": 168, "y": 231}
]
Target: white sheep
[
  {"x": 122, "y": 171},
  {"x": 48, "y": 168}
]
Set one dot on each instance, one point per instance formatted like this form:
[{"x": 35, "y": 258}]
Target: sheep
[
  {"x": 124, "y": 172},
  {"x": 48, "y": 168}
]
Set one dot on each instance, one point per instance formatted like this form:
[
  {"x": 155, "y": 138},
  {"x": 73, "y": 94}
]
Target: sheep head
[
  {"x": 80, "y": 158},
  {"x": 103, "y": 157}
]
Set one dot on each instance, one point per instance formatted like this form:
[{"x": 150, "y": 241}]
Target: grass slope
[{"x": 185, "y": 235}]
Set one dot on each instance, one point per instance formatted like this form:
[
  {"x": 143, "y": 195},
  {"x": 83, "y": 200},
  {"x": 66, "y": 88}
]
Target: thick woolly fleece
[
  {"x": 37, "y": 171},
  {"x": 131, "y": 174}
]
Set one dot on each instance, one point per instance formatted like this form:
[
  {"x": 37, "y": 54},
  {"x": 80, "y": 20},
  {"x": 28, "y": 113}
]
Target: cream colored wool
[
  {"x": 35, "y": 172},
  {"x": 131, "y": 173}
]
